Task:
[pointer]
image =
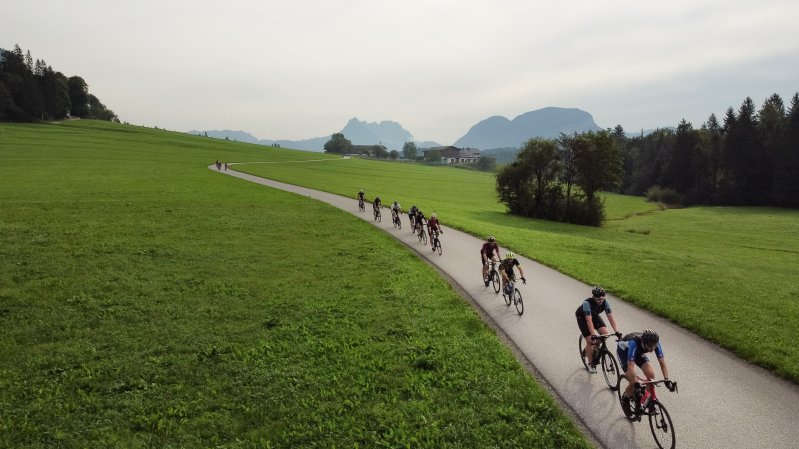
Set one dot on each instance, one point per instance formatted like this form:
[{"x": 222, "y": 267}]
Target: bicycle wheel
[
  {"x": 626, "y": 405},
  {"x": 583, "y": 357},
  {"x": 424, "y": 236},
  {"x": 379, "y": 216},
  {"x": 438, "y": 246},
  {"x": 517, "y": 299},
  {"x": 507, "y": 297},
  {"x": 495, "y": 280},
  {"x": 660, "y": 424},
  {"x": 610, "y": 369}
]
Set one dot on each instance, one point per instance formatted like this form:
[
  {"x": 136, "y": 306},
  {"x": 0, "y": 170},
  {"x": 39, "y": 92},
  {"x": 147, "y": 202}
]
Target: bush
[
  {"x": 663, "y": 195},
  {"x": 584, "y": 212}
]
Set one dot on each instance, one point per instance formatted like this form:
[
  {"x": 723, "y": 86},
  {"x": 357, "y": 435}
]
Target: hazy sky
[{"x": 295, "y": 69}]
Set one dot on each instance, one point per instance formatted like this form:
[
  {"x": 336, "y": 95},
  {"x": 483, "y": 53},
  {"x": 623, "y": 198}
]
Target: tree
[
  {"x": 598, "y": 163},
  {"x": 541, "y": 159},
  {"x": 486, "y": 163},
  {"x": 409, "y": 150},
  {"x": 684, "y": 171},
  {"x": 379, "y": 151},
  {"x": 743, "y": 160},
  {"x": 78, "y": 96},
  {"x": 786, "y": 173},
  {"x": 338, "y": 144},
  {"x": 714, "y": 143},
  {"x": 393, "y": 154},
  {"x": 432, "y": 156}
]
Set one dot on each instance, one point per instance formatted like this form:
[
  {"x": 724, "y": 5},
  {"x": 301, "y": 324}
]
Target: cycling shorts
[
  {"x": 582, "y": 323},
  {"x": 640, "y": 358}
]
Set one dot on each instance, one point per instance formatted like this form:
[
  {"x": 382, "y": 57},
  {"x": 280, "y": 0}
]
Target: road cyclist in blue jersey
[
  {"x": 591, "y": 324},
  {"x": 632, "y": 350}
]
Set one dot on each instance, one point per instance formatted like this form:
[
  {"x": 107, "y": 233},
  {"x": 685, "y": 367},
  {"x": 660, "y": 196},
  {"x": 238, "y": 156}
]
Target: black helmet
[
  {"x": 491, "y": 239},
  {"x": 598, "y": 291},
  {"x": 649, "y": 338}
]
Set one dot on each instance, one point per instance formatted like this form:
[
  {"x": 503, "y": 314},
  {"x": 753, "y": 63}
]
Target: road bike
[
  {"x": 435, "y": 242},
  {"x": 378, "y": 215},
  {"x": 512, "y": 295},
  {"x": 493, "y": 276},
  {"x": 361, "y": 205},
  {"x": 645, "y": 402},
  {"x": 396, "y": 220},
  {"x": 422, "y": 235},
  {"x": 604, "y": 358}
]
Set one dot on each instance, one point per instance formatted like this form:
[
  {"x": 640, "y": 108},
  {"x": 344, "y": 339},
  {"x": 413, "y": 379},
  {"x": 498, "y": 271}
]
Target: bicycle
[
  {"x": 512, "y": 294},
  {"x": 435, "y": 242},
  {"x": 645, "y": 402},
  {"x": 361, "y": 205},
  {"x": 604, "y": 358},
  {"x": 397, "y": 222},
  {"x": 378, "y": 215},
  {"x": 493, "y": 276},
  {"x": 422, "y": 235}
]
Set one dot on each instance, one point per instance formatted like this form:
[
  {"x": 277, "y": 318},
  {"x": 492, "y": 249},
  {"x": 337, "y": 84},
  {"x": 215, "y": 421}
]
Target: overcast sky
[{"x": 296, "y": 69}]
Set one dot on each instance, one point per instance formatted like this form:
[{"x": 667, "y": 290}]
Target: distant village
[{"x": 450, "y": 155}]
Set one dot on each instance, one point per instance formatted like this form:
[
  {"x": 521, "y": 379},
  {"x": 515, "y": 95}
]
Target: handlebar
[{"x": 669, "y": 384}]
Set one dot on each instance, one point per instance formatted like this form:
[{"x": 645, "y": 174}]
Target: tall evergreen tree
[
  {"x": 771, "y": 126},
  {"x": 744, "y": 159},
  {"x": 714, "y": 142},
  {"x": 786, "y": 173}
]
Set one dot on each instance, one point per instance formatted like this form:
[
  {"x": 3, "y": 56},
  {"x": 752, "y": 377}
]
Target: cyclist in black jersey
[
  {"x": 506, "y": 269},
  {"x": 590, "y": 322}
]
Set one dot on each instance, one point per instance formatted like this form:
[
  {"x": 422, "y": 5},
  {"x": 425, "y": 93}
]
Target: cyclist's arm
[
  {"x": 589, "y": 319},
  {"x": 663, "y": 368},
  {"x": 612, "y": 321}
]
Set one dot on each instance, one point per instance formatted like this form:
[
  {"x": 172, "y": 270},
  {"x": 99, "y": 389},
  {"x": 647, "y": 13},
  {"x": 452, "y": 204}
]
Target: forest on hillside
[{"x": 33, "y": 91}]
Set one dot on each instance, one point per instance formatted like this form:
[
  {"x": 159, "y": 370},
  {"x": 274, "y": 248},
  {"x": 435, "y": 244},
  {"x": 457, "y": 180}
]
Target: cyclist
[
  {"x": 420, "y": 220},
  {"x": 360, "y": 198},
  {"x": 396, "y": 209},
  {"x": 433, "y": 226},
  {"x": 412, "y": 215},
  {"x": 591, "y": 323},
  {"x": 489, "y": 251},
  {"x": 506, "y": 270},
  {"x": 376, "y": 205},
  {"x": 632, "y": 351}
]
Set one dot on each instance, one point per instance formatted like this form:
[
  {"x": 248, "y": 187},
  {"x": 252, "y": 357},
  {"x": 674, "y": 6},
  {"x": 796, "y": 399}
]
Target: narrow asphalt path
[{"x": 723, "y": 402}]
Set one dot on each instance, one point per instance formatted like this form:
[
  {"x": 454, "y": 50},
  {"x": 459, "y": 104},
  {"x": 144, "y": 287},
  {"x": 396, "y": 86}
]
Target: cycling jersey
[
  {"x": 630, "y": 348},
  {"x": 433, "y": 223},
  {"x": 508, "y": 264},
  {"x": 489, "y": 248},
  {"x": 419, "y": 218},
  {"x": 590, "y": 307},
  {"x": 396, "y": 208},
  {"x": 360, "y": 195}
]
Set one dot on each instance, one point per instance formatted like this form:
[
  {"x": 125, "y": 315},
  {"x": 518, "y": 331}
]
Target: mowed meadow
[
  {"x": 146, "y": 301},
  {"x": 729, "y": 274}
]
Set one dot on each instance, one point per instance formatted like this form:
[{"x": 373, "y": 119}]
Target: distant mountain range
[
  {"x": 492, "y": 133},
  {"x": 390, "y": 134}
]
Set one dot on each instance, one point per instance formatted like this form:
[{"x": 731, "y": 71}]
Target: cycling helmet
[
  {"x": 361, "y": 190},
  {"x": 491, "y": 239},
  {"x": 510, "y": 255},
  {"x": 649, "y": 338},
  {"x": 598, "y": 291},
  {"x": 433, "y": 215},
  {"x": 395, "y": 202}
]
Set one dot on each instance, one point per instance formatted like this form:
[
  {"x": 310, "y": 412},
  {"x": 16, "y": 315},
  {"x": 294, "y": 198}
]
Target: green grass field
[
  {"x": 146, "y": 301},
  {"x": 728, "y": 274}
]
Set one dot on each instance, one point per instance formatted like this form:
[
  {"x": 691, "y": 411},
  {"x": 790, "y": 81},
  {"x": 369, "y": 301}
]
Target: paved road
[{"x": 723, "y": 402}]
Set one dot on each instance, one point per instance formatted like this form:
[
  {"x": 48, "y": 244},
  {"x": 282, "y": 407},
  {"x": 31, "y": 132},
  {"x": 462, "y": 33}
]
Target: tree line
[
  {"x": 752, "y": 158},
  {"x": 32, "y": 91}
]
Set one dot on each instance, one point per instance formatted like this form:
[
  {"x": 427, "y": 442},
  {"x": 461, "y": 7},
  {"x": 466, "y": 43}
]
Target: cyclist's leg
[
  {"x": 629, "y": 373},
  {"x": 504, "y": 278}
]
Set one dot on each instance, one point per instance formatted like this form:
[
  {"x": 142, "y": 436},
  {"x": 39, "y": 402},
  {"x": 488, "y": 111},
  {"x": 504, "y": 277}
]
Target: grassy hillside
[
  {"x": 729, "y": 274},
  {"x": 146, "y": 301}
]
